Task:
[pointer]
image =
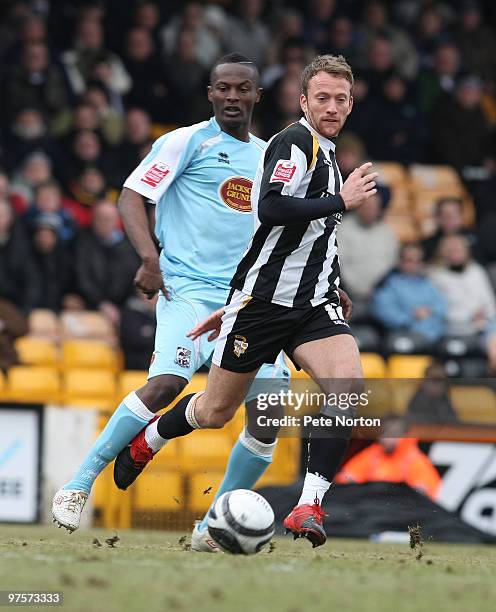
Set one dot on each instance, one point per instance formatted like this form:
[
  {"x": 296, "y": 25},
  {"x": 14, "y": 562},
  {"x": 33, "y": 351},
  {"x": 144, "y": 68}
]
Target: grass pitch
[{"x": 153, "y": 571}]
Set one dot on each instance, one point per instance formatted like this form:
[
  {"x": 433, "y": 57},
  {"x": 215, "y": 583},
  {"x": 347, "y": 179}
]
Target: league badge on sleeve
[
  {"x": 284, "y": 171},
  {"x": 183, "y": 357},
  {"x": 156, "y": 174}
]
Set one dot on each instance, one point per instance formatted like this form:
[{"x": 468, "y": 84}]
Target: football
[{"x": 241, "y": 522}]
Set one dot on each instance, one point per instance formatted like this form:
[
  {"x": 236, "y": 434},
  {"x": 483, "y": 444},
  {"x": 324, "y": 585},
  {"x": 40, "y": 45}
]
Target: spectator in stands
[
  {"x": 379, "y": 65},
  {"x": 430, "y": 31},
  {"x": 460, "y": 131},
  {"x": 408, "y": 306},
  {"x": 207, "y": 45},
  {"x": 471, "y": 314},
  {"x": 12, "y": 325},
  {"x": 28, "y": 133},
  {"x": 18, "y": 280},
  {"x": 294, "y": 55},
  {"x": 431, "y": 403},
  {"x": 285, "y": 108},
  {"x": 187, "y": 105},
  {"x": 86, "y": 189},
  {"x": 449, "y": 221},
  {"x": 477, "y": 41},
  {"x": 88, "y": 49},
  {"x": 110, "y": 119},
  {"x": 403, "y": 55},
  {"x": 35, "y": 170},
  {"x": 318, "y": 19},
  {"x": 402, "y": 136},
  {"x": 49, "y": 201},
  {"x": 350, "y": 153},
  {"x": 135, "y": 145},
  {"x": 440, "y": 80},
  {"x": 53, "y": 263},
  {"x": 147, "y": 15},
  {"x": 86, "y": 150},
  {"x": 342, "y": 39},
  {"x": 143, "y": 64},
  {"x": 35, "y": 83},
  {"x": 246, "y": 33},
  {"x": 105, "y": 263},
  {"x": 18, "y": 203},
  {"x": 393, "y": 459},
  {"x": 287, "y": 26},
  {"x": 137, "y": 331},
  {"x": 368, "y": 248}
]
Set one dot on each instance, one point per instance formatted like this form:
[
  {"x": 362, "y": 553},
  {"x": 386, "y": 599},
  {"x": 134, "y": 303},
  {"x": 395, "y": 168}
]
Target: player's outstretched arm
[
  {"x": 275, "y": 208},
  {"x": 213, "y": 322},
  {"x": 149, "y": 276}
]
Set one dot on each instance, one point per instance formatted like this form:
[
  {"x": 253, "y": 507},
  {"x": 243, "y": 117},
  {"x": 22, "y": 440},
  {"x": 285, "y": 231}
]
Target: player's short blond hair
[{"x": 334, "y": 65}]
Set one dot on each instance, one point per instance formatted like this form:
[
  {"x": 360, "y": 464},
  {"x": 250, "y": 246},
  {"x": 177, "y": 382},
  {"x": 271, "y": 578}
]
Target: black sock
[
  {"x": 326, "y": 449},
  {"x": 173, "y": 423}
]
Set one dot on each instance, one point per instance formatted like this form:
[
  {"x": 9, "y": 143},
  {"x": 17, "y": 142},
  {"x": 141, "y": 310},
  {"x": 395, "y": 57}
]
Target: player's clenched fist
[{"x": 358, "y": 187}]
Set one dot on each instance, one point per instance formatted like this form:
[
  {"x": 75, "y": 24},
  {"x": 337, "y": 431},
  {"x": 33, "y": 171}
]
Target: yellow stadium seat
[
  {"x": 158, "y": 491},
  {"x": 84, "y": 387},
  {"x": 44, "y": 324},
  {"x": 404, "y": 226},
  {"x": 402, "y": 393},
  {"x": 33, "y": 384},
  {"x": 408, "y": 366},
  {"x": 285, "y": 465},
  {"x": 3, "y": 386},
  {"x": 474, "y": 403},
  {"x": 373, "y": 365},
  {"x": 33, "y": 350},
  {"x": 87, "y": 324},
  {"x": 130, "y": 380},
  {"x": 433, "y": 177},
  {"x": 202, "y": 489},
  {"x": 205, "y": 449},
  {"x": 391, "y": 174},
  {"x": 380, "y": 398},
  {"x": 88, "y": 354}
]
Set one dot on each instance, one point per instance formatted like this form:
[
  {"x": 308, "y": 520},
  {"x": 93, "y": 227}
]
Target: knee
[
  {"x": 160, "y": 391},
  {"x": 216, "y": 419}
]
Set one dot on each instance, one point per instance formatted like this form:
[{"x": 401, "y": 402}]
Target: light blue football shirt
[{"x": 200, "y": 179}]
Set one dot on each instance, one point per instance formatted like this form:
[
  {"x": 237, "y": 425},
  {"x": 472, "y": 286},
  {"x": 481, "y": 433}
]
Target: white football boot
[
  {"x": 67, "y": 506},
  {"x": 202, "y": 542}
]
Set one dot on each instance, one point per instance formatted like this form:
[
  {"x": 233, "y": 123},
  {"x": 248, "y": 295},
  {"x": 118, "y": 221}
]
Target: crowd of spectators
[{"x": 84, "y": 84}]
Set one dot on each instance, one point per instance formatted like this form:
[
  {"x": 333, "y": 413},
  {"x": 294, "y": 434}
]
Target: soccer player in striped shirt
[{"x": 284, "y": 293}]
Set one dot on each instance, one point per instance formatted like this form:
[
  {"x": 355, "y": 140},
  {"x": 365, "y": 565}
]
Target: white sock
[
  {"x": 314, "y": 487},
  {"x": 136, "y": 406},
  {"x": 153, "y": 438},
  {"x": 255, "y": 446}
]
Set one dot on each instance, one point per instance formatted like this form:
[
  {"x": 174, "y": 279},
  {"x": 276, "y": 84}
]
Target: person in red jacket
[{"x": 393, "y": 459}]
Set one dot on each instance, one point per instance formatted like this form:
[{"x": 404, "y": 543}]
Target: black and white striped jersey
[{"x": 293, "y": 265}]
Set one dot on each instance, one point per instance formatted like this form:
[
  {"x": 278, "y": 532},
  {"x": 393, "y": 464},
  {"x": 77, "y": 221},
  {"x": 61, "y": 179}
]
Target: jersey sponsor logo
[
  {"x": 183, "y": 357},
  {"x": 284, "y": 171},
  {"x": 156, "y": 174},
  {"x": 240, "y": 345},
  {"x": 236, "y": 193}
]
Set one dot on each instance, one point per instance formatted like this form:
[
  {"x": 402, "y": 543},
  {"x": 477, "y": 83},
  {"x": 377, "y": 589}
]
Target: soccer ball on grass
[{"x": 241, "y": 522}]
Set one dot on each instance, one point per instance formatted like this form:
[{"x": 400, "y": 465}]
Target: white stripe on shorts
[{"x": 238, "y": 301}]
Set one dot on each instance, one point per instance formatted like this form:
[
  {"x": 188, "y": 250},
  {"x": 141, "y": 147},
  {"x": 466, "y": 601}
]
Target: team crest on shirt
[
  {"x": 284, "y": 171},
  {"x": 183, "y": 357},
  {"x": 156, "y": 174},
  {"x": 236, "y": 193},
  {"x": 240, "y": 345}
]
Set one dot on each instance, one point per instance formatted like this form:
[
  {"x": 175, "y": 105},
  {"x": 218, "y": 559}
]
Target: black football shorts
[{"x": 254, "y": 332}]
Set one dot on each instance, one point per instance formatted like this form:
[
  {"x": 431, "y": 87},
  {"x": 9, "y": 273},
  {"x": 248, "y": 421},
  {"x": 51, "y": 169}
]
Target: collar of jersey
[
  {"x": 214, "y": 122},
  {"x": 325, "y": 143}
]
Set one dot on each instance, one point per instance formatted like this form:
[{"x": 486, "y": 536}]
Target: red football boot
[
  {"x": 305, "y": 521},
  {"x": 132, "y": 459}
]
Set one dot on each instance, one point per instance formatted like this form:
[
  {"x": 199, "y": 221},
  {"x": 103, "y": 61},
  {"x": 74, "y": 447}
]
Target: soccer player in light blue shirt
[{"x": 200, "y": 180}]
